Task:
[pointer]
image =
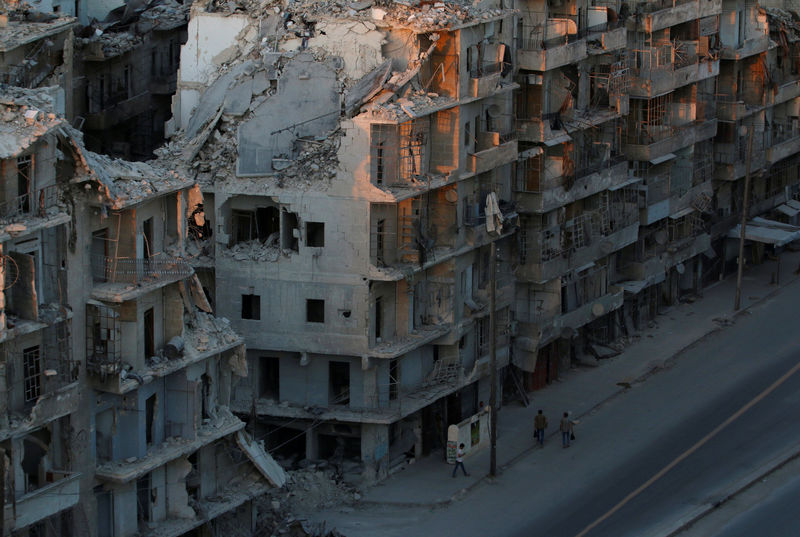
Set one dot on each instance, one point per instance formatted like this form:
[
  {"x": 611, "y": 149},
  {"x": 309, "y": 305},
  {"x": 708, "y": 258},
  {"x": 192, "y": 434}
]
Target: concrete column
[
  {"x": 312, "y": 445},
  {"x": 374, "y": 451},
  {"x": 583, "y": 86}
]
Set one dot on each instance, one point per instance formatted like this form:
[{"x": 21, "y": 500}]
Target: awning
[
  {"x": 664, "y": 158},
  {"x": 767, "y": 232},
  {"x": 556, "y": 140},
  {"x": 681, "y": 213},
  {"x": 631, "y": 181},
  {"x": 788, "y": 211},
  {"x": 633, "y": 286},
  {"x": 794, "y": 204}
]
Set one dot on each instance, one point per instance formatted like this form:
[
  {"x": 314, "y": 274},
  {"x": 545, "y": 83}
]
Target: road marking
[{"x": 691, "y": 450}]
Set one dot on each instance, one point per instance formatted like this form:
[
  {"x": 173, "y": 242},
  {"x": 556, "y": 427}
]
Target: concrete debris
[
  {"x": 204, "y": 332},
  {"x": 253, "y": 250},
  {"x": 25, "y": 116}
]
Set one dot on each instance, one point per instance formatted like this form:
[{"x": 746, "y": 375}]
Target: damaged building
[
  {"x": 349, "y": 241},
  {"x": 116, "y": 377},
  {"x": 125, "y": 77}
]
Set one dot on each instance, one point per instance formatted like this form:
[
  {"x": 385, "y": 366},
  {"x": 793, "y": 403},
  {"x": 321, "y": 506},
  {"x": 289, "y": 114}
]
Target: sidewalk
[{"x": 427, "y": 483}]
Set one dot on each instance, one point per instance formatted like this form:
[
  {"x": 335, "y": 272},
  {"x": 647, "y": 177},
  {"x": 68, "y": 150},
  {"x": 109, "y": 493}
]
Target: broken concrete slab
[
  {"x": 213, "y": 98},
  {"x": 261, "y": 459},
  {"x": 367, "y": 87},
  {"x": 237, "y": 99}
]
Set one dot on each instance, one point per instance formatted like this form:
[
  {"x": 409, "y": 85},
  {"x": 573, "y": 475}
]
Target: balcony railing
[
  {"x": 486, "y": 69},
  {"x": 30, "y": 204},
  {"x": 651, "y": 6},
  {"x": 783, "y": 131},
  {"x": 126, "y": 270}
]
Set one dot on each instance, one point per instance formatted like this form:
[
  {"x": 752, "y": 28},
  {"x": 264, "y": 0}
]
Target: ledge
[{"x": 169, "y": 450}]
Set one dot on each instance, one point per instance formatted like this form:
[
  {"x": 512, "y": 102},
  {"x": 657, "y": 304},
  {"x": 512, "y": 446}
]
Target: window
[
  {"x": 339, "y": 383},
  {"x": 149, "y": 334},
  {"x": 251, "y": 307},
  {"x": 143, "y": 500},
  {"x": 315, "y": 311},
  {"x": 315, "y": 234},
  {"x": 378, "y": 319},
  {"x": 150, "y": 418},
  {"x": 24, "y": 182},
  {"x": 394, "y": 378},
  {"x": 32, "y": 369},
  {"x": 268, "y": 381}
]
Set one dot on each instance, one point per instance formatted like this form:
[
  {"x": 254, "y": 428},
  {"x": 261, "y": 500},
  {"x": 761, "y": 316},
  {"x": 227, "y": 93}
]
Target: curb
[
  {"x": 437, "y": 504},
  {"x": 737, "y": 488}
]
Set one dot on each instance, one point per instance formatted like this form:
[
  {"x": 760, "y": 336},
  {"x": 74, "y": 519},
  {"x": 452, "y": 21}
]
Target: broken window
[
  {"x": 100, "y": 255},
  {"x": 269, "y": 385},
  {"x": 290, "y": 231},
  {"x": 381, "y": 139},
  {"x": 259, "y": 224},
  {"x": 339, "y": 383},
  {"x": 315, "y": 311},
  {"x": 378, "y": 319},
  {"x": 143, "y": 500},
  {"x": 199, "y": 227},
  {"x": 103, "y": 347},
  {"x": 149, "y": 334},
  {"x": 150, "y": 418},
  {"x": 35, "y": 461},
  {"x": 24, "y": 182},
  {"x": 315, "y": 234},
  {"x": 147, "y": 238},
  {"x": 251, "y": 307},
  {"x": 394, "y": 378},
  {"x": 32, "y": 370}
]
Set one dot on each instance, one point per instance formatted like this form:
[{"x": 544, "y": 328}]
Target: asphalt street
[{"x": 650, "y": 456}]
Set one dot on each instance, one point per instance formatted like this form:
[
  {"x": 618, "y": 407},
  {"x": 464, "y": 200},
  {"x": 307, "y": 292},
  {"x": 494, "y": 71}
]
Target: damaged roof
[
  {"x": 124, "y": 183},
  {"x": 25, "y": 116},
  {"x": 20, "y": 31}
]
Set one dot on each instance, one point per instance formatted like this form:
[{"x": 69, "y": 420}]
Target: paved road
[
  {"x": 767, "y": 509},
  {"x": 558, "y": 492}
]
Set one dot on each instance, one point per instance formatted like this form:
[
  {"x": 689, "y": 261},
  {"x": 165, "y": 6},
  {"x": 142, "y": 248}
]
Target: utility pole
[
  {"x": 493, "y": 360},
  {"x": 737, "y": 301}
]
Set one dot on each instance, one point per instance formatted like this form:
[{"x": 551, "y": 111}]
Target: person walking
[
  {"x": 566, "y": 430},
  {"x": 460, "y": 461},
  {"x": 539, "y": 425}
]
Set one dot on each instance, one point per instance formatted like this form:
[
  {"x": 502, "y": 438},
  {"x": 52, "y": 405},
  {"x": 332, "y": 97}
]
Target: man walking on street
[
  {"x": 460, "y": 461},
  {"x": 566, "y": 430},
  {"x": 539, "y": 425}
]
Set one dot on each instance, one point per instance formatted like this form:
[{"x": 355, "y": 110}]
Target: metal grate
[{"x": 32, "y": 371}]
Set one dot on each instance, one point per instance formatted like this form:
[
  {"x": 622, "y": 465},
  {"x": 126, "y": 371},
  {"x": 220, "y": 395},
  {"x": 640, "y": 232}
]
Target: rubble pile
[
  {"x": 254, "y": 250},
  {"x": 167, "y": 14},
  {"x": 203, "y": 331},
  {"x": 412, "y": 14}
]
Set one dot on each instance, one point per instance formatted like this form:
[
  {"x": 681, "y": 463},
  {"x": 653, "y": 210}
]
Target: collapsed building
[
  {"x": 125, "y": 77},
  {"x": 116, "y": 379},
  {"x": 348, "y": 241}
]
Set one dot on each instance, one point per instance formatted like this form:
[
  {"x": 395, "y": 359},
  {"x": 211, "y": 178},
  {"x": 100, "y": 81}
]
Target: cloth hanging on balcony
[{"x": 494, "y": 218}]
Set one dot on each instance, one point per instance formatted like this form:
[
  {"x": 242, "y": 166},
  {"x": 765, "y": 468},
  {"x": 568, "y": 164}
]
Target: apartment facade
[{"x": 116, "y": 378}]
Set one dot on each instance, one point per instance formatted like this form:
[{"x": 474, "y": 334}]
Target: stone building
[
  {"x": 116, "y": 379},
  {"x": 349, "y": 241}
]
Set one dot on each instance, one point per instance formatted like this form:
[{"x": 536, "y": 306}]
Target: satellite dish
[
  {"x": 451, "y": 195},
  {"x": 661, "y": 237},
  {"x": 598, "y": 309},
  {"x": 493, "y": 110},
  {"x": 681, "y": 268},
  {"x": 10, "y": 271}
]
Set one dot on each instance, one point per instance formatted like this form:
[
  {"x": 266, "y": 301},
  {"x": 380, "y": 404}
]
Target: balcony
[
  {"x": 730, "y": 158},
  {"x": 38, "y": 210},
  {"x": 651, "y": 269},
  {"x": 660, "y": 14},
  {"x": 493, "y": 150},
  {"x": 555, "y": 43},
  {"x": 786, "y": 91},
  {"x": 609, "y": 39},
  {"x": 121, "y": 279},
  {"x": 659, "y": 71},
  {"x": 543, "y": 196},
  {"x": 173, "y": 448},
  {"x": 785, "y": 140},
  {"x": 546, "y": 326},
  {"x": 117, "y": 109},
  {"x": 484, "y": 80},
  {"x": 62, "y": 493},
  {"x": 658, "y": 141},
  {"x": 749, "y": 47},
  {"x": 550, "y": 253}
]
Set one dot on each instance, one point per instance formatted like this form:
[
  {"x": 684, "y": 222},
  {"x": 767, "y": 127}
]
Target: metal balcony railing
[
  {"x": 30, "y": 204},
  {"x": 486, "y": 69},
  {"x": 125, "y": 270}
]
